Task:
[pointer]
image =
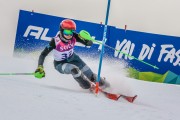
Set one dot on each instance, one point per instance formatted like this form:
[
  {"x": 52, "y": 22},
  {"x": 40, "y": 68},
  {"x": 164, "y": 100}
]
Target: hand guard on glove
[
  {"x": 39, "y": 73},
  {"x": 85, "y": 36}
]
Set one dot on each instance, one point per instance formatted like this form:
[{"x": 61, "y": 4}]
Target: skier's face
[{"x": 68, "y": 36}]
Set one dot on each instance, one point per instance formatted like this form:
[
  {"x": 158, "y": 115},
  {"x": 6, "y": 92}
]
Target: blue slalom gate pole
[{"x": 102, "y": 50}]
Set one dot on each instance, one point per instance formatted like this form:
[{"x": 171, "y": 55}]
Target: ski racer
[{"x": 66, "y": 61}]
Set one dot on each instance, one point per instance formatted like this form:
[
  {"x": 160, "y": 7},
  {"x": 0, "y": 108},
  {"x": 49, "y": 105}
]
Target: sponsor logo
[{"x": 37, "y": 32}]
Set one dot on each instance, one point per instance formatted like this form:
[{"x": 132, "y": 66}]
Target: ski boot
[{"x": 102, "y": 83}]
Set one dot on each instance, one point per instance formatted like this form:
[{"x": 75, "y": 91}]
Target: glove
[
  {"x": 89, "y": 43},
  {"x": 39, "y": 73},
  {"x": 85, "y": 35}
]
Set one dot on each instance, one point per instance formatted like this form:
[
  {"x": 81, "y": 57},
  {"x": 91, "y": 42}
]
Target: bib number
[{"x": 66, "y": 55}]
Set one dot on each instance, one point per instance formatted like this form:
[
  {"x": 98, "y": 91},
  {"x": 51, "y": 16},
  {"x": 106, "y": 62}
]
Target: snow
[{"x": 58, "y": 96}]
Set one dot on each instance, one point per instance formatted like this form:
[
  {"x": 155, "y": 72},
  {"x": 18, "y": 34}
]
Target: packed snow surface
[{"x": 59, "y": 97}]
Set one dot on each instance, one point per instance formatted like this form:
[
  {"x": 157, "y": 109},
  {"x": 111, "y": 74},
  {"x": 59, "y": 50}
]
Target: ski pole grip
[{"x": 83, "y": 34}]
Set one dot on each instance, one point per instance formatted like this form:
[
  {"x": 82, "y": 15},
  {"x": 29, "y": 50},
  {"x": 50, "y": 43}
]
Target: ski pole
[
  {"x": 155, "y": 67},
  {"x": 16, "y": 73}
]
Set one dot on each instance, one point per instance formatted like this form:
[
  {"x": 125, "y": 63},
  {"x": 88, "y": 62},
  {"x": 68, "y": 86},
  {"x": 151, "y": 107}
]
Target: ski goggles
[{"x": 68, "y": 32}]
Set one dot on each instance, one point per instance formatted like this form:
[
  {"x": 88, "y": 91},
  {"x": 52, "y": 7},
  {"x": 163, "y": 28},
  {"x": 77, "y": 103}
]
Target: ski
[
  {"x": 129, "y": 98},
  {"x": 116, "y": 97},
  {"x": 111, "y": 96}
]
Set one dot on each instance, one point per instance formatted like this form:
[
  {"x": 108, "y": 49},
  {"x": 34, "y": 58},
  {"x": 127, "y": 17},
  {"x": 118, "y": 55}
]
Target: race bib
[{"x": 63, "y": 50}]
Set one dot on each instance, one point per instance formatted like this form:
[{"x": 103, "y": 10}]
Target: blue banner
[{"x": 35, "y": 30}]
